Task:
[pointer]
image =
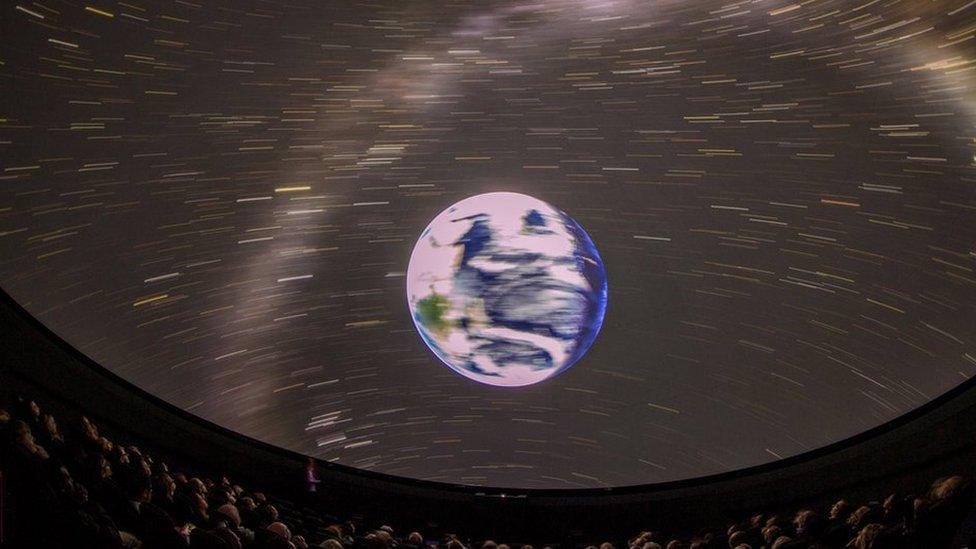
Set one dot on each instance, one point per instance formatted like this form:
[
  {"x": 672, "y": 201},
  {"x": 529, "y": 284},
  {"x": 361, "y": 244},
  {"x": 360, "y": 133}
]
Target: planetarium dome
[{"x": 557, "y": 245}]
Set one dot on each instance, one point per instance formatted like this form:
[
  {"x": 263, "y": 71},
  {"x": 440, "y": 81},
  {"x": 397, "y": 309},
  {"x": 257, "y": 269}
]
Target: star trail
[{"x": 217, "y": 201}]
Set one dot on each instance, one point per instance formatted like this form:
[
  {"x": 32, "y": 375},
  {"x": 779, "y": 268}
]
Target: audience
[{"x": 80, "y": 489}]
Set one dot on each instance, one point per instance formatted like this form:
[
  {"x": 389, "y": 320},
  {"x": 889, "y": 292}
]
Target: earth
[{"x": 506, "y": 289}]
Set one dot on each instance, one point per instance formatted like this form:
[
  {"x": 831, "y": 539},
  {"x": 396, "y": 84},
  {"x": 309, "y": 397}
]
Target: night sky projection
[{"x": 218, "y": 201}]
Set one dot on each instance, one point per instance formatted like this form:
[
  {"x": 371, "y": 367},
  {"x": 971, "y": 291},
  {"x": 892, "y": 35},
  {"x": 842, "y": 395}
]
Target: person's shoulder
[{"x": 151, "y": 510}]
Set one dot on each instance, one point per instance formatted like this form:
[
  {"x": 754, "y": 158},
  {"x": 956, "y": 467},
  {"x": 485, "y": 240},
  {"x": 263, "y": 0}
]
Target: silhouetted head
[
  {"x": 840, "y": 510},
  {"x": 738, "y": 538},
  {"x": 771, "y": 533},
  {"x": 868, "y": 536},
  {"x": 280, "y": 529},
  {"x": 947, "y": 489},
  {"x": 808, "y": 523},
  {"x": 860, "y": 517},
  {"x": 230, "y": 514}
]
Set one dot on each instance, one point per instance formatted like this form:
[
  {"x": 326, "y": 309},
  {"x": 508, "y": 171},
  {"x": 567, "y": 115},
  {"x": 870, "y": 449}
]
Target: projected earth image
[{"x": 506, "y": 289}]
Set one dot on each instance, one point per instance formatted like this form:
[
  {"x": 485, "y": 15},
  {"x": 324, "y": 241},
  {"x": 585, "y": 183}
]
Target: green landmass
[{"x": 431, "y": 310}]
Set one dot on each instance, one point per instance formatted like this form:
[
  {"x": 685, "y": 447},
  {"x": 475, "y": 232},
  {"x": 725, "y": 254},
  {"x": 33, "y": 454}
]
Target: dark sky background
[{"x": 217, "y": 200}]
